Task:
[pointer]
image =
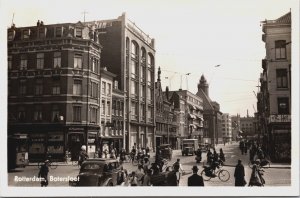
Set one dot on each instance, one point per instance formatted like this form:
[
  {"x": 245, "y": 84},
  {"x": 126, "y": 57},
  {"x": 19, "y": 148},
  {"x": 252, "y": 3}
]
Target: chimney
[{"x": 247, "y": 114}]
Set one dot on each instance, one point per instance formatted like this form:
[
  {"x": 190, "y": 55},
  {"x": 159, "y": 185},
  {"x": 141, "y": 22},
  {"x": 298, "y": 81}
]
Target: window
[
  {"x": 133, "y": 88},
  {"x": 37, "y": 114},
  {"x": 134, "y": 109},
  {"x": 94, "y": 115},
  {"x": 281, "y": 76},
  {"x": 58, "y": 31},
  {"x": 283, "y": 105},
  {"x": 94, "y": 90},
  {"x": 103, "y": 107},
  {"x": 11, "y": 35},
  {"x": 134, "y": 50},
  {"x": 150, "y": 114},
  {"x": 77, "y": 87},
  {"x": 40, "y": 61},
  {"x": 77, "y": 61},
  {"x": 21, "y": 114},
  {"x": 143, "y": 95},
  {"x": 26, "y": 34},
  {"x": 22, "y": 88},
  {"x": 142, "y": 112},
  {"x": 42, "y": 32},
  {"x": 38, "y": 87},
  {"x": 94, "y": 65},
  {"x": 108, "y": 89},
  {"x": 134, "y": 68},
  {"x": 114, "y": 107},
  {"x": 76, "y": 114},
  {"x": 149, "y": 94},
  {"x": 23, "y": 63},
  {"x": 150, "y": 75},
  {"x": 108, "y": 108},
  {"x": 9, "y": 62},
  {"x": 57, "y": 59},
  {"x": 78, "y": 32},
  {"x": 143, "y": 59},
  {"x": 142, "y": 74},
  {"x": 150, "y": 61},
  {"x": 103, "y": 88},
  {"x": 55, "y": 113},
  {"x": 56, "y": 89},
  {"x": 280, "y": 49}
]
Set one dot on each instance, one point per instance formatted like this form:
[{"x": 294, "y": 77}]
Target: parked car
[
  {"x": 98, "y": 172},
  {"x": 166, "y": 151}
]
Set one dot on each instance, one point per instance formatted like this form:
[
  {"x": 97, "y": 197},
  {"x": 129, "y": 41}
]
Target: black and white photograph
[{"x": 150, "y": 98}]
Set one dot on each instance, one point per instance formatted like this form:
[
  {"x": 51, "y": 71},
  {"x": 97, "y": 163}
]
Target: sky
[{"x": 191, "y": 36}]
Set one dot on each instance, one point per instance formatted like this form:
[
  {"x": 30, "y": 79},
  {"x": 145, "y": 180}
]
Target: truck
[{"x": 189, "y": 146}]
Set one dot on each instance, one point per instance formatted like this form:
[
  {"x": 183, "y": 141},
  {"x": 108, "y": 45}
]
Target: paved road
[{"x": 277, "y": 175}]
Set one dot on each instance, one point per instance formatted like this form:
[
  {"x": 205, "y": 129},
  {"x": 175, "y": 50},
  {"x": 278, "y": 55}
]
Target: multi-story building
[
  {"x": 247, "y": 126},
  {"x": 165, "y": 117},
  {"x": 236, "y": 130},
  {"x": 53, "y": 87},
  {"x": 129, "y": 53},
  {"x": 211, "y": 113},
  {"x": 274, "y": 98},
  {"x": 190, "y": 113},
  {"x": 226, "y": 128}
]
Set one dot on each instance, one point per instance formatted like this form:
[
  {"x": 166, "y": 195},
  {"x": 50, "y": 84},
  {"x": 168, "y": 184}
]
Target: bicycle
[
  {"x": 52, "y": 164},
  {"x": 207, "y": 173},
  {"x": 263, "y": 163}
]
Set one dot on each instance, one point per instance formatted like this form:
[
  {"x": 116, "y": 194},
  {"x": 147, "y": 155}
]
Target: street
[{"x": 276, "y": 175}]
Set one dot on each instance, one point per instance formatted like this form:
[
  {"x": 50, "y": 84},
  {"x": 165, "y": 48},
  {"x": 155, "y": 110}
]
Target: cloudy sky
[{"x": 192, "y": 36}]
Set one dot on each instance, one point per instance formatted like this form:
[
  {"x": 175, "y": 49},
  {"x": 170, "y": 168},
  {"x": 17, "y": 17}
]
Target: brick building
[{"x": 53, "y": 86}]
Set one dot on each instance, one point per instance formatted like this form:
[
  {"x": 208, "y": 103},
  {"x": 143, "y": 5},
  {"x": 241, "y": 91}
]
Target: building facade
[
  {"x": 129, "y": 53},
  {"x": 274, "y": 98},
  {"x": 226, "y": 128},
  {"x": 53, "y": 86},
  {"x": 189, "y": 110},
  {"x": 247, "y": 126},
  {"x": 236, "y": 127},
  {"x": 211, "y": 114},
  {"x": 165, "y": 117}
]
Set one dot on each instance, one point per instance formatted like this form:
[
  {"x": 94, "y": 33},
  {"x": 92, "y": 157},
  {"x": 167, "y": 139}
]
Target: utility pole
[{"x": 84, "y": 13}]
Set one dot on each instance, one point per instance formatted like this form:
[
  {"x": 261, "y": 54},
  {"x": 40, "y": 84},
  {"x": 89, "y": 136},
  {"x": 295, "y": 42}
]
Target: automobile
[
  {"x": 188, "y": 150},
  {"x": 204, "y": 147},
  {"x": 166, "y": 151},
  {"x": 98, "y": 172}
]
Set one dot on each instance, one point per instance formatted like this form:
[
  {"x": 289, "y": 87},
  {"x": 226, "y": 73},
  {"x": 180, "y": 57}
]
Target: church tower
[{"x": 203, "y": 85}]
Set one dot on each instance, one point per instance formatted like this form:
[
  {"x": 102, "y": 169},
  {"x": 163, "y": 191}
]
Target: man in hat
[
  {"x": 195, "y": 179},
  {"x": 239, "y": 174},
  {"x": 43, "y": 173}
]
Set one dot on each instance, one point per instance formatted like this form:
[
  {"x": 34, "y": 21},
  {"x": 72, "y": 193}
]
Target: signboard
[{"x": 279, "y": 118}]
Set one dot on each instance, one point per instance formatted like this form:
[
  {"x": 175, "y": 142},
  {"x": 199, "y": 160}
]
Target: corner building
[
  {"x": 53, "y": 87},
  {"x": 129, "y": 53}
]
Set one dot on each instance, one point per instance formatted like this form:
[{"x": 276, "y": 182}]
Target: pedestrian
[
  {"x": 122, "y": 155},
  {"x": 222, "y": 156},
  {"x": 147, "y": 178},
  {"x": 148, "y": 151},
  {"x": 195, "y": 179},
  {"x": 146, "y": 164},
  {"x": 155, "y": 169},
  {"x": 239, "y": 174},
  {"x": 246, "y": 148},
  {"x": 242, "y": 145},
  {"x": 82, "y": 155},
  {"x": 209, "y": 156},
  {"x": 177, "y": 167},
  {"x": 254, "y": 179},
  {"x": 133, "y": 179},
  {"x": 172, "y": 178},
  {"x": 43, "y": 174},
  {"x": 139, "y": 174}
]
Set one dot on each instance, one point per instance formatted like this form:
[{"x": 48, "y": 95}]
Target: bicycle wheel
[
  {"x": 204, "y": 176},
  {"x": 53, "y": 165},
  {"x": 224, "y": 175}
]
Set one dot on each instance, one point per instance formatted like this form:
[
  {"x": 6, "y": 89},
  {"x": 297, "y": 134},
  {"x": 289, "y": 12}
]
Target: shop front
[
  {"x": 76, "y": 138},
  {"x": 281, "y": 143}
]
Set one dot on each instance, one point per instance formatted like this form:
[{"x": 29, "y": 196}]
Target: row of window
[
  {"x": 134, "y": 91},
  {"x": 40, "y": 61},
  {"x": 42, "y": 32}
]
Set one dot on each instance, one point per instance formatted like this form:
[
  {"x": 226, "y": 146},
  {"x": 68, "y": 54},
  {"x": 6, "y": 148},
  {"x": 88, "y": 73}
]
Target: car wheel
[{"x": 110, "y": 184}]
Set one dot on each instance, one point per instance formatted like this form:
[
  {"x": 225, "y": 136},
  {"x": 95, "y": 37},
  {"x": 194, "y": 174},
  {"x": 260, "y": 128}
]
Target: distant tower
[
  {"x": 247, "y": 114},
  {"x": 158, "y": 74},
  {"x": 203, "y": 85}
]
